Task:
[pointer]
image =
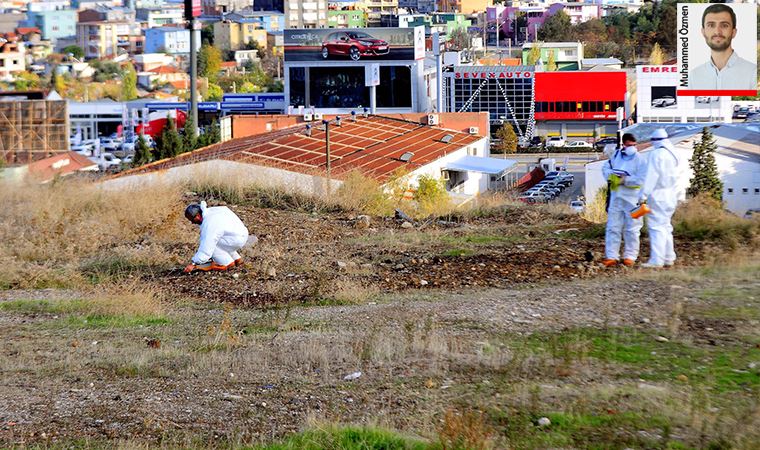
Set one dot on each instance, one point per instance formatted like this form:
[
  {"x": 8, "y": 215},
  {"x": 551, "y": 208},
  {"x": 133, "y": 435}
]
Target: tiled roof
[
  {"x": 163, "y": 69},
  {"x": 373, "y": 146},
  {"x": 61, "y": 165}
]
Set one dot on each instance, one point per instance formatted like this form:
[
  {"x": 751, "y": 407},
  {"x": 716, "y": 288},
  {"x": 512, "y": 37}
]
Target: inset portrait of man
[{"x": 725, "y": 69}]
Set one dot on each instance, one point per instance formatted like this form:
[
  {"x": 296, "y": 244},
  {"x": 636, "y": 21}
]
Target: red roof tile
[
  {"x": 163, "y": 69},
  {"x": 59, "y": 165},
  {"x": 27, "y": 30},
  {"x": 372, "y": 146}
]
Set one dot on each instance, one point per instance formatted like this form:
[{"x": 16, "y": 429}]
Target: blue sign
[
  {"x": 164, "y": 106},
  {"x": 208, "y": 106},
  {"x": 243, "y": 105}
]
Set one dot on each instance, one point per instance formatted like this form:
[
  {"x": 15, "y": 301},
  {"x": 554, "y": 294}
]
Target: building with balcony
[
  {"x": 160, "y": 17},
  {"x": 106, "y": 39},
  {"x": 231, "y": 36},
  {"x": 54, "y": 24},
  {"x": 345, "y": 15},
  {"x": 567, "y": 55},
  {"x": 170, "y": 40},
  {"x": 12, "y": 60},
  {"x": 464, "y": 6},
  {"x": 375, "y": 10},
  {"x": 271, "y": 21}
]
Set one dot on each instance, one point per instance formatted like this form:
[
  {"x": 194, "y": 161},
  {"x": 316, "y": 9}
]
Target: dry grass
[
  {"x": 595, "y": 211},
  {"x": 48, "y": 230},
  {"x": 703, "y": 218},
  {"x": 465, "y": 430}
]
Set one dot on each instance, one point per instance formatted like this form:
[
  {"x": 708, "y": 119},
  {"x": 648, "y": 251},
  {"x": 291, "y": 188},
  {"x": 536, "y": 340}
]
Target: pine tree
[
  {"x": 143, "y": 153},
  {"x": 169, "y": 143},
  {"x": 213, "y": 134},
  {"x": 706, "y": 179},
  {"x": 508, "y": 139},
  {"x": 189, "y": 141},
  {"x": 535, "y": 54}
]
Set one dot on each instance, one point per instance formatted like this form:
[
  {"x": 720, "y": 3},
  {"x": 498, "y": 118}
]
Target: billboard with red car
[{"x": 353, "y": 44}]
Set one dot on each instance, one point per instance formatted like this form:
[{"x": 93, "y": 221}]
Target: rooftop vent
[
  {"x": 406, "y": 157},
  {"x": 447, "y": 138}
]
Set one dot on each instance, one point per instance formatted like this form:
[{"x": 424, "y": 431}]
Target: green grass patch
[
  {"x": 348, "y": 438},
  {"x": 111, "y": 321},
  {"x": 720, "y": 369},
  {"x": 26, "y": 306},
  {"x": 588, "y": 430},
  {"x": 481, "y": 239}
]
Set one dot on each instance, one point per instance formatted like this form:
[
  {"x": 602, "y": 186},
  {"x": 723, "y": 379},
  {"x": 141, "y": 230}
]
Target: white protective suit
[
  {"x": 630, "y": 163},
  {"x": 222, "y": 235},
  {"x": 661, "y": 193}
]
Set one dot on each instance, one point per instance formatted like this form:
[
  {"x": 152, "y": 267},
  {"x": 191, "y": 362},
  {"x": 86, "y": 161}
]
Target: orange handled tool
[{"x": 640, "y": 211}]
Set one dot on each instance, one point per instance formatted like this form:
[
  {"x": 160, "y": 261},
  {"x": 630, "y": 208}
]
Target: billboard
[
  {"x": 192, "y": 9},
  {"x": 716, "y": 49},
  {"x": 354, "y": 44},
  {"x": 657, "y": 98}
]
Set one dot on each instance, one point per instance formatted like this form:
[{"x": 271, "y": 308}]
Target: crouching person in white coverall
[
  {"x": 625, "y": 173},
  {"x": 223, "y": 234},
  {"x": 660, "y": 193}
]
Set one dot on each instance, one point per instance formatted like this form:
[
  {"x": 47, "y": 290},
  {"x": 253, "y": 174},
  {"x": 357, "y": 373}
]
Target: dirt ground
[{"x": 508, "y": 315}]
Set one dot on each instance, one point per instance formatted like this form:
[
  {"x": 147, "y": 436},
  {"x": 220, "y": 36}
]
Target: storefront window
[
  {"x": 342, "y": 87},
  {"x": 395, "y": 89},
  {"x": 298, "y": 86}
]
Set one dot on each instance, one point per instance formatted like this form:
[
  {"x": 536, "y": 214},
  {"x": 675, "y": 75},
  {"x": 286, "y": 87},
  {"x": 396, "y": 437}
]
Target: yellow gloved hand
[{"x": 615, "y": 182}]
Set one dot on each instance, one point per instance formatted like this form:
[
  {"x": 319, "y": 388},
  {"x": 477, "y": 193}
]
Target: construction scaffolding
[{"x": 31, "y": 130}]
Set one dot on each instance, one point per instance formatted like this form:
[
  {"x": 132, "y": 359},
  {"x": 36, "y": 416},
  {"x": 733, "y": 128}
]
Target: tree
[
  {"x": 706, "y": 179},
  {"x": 214, "y": 93},
  {"x": 209, "y": 62},
  {"x": 657, "y": 56},
  {"x": 211, "y": 135},
  {"x": 58, "y": 82},
  {"x": 129, "y": 83},
  {"x": 535, "y": 54},
  {"x": 506, "y": 134},
  {"x": 26, "y": 81},
  {"x": 73, "y": 50},
  {"x": 459, "y": 40},
  {"x": 168, "y": 143},
  {"x": 189, "y": 141},
  {"x": 551, "y": 65},
  {"x": 143, "y": 153},
  {"x": 556, "y": 28}
]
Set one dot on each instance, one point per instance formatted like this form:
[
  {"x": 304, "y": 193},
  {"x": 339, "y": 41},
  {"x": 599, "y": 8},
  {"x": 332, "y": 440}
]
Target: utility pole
[
  {"x": 326, "y": 123},
  {"x": 192, "y": 10}
]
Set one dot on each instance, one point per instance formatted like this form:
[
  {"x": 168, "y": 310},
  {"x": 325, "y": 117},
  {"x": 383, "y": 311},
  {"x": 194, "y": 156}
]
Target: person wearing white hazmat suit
[
  {"x": 660, "y": 193},
  {"x": 223, "y": 234},
  {"x": 625, "y": 173}
]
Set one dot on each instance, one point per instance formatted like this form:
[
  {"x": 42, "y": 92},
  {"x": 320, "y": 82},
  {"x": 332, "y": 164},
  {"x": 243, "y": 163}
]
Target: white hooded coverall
[
  {"x": 622, "y": 201},
  {"x": 222, "y": 235},
  {"x": 661, "y": 193}
]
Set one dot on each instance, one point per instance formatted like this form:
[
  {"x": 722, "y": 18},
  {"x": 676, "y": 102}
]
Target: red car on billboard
[{"x": 353, "y": 44}]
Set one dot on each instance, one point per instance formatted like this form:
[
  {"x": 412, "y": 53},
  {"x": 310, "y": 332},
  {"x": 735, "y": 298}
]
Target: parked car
[
  {"x": 110, "y": 144},
  {"x": 577, "y": 206},
  {"x": 555, "y": 141},
  {"x": 107, "y": 161},
  {"x": 601, "y": 143},
  {"x": 578, "y": 144},
  {"x": 353, "y": 44},
  {"x": 741, "y": 113},
  {"x": 533, "y": 197}
]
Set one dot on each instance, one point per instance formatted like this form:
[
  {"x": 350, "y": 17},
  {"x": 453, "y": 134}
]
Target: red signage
[
  {"x": 659, "y": 69},
  {"x": 193, "y": 9},
  {"x": 489, "y": 75}
]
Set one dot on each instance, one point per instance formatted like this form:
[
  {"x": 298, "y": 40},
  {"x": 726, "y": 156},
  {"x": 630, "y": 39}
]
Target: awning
[{"x": 491, "y": 166}]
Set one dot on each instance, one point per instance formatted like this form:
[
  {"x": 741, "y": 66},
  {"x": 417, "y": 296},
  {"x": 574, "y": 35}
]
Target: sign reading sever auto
[
  {"x": 491, "y": 75},
  {"x": 355, "y": 44}
]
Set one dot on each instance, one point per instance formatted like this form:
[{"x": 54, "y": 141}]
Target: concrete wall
[{"x": 476, "y": 182}]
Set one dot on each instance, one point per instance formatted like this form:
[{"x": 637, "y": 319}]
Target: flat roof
[
  {"x": 491, "y": 166},
  {"x": 372, "y": 146}
]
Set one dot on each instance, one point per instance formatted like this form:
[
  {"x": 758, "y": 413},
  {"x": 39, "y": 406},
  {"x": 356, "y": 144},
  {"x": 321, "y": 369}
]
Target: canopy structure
[{"x": 491, "y": 166}]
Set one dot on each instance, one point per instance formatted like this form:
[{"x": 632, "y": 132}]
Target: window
[
  {"x": 730, "y": 190},
  {"x": 395, "y": 89},
  {"x": 745, "y": 191},
  {"x": 757, "y": 191}
]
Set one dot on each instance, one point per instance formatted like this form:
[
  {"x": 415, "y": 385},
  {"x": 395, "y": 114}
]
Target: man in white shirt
[{"x": 725, "y": 69}]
